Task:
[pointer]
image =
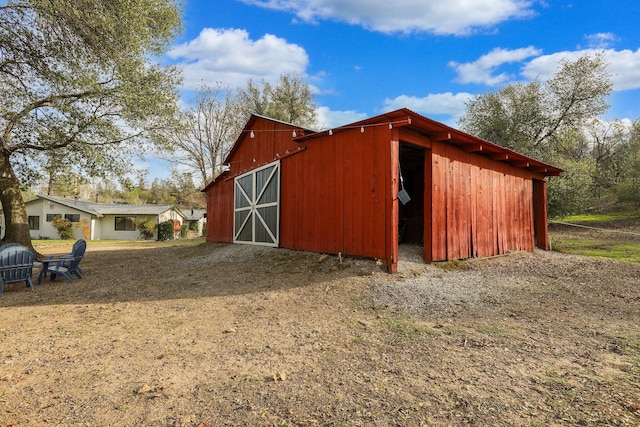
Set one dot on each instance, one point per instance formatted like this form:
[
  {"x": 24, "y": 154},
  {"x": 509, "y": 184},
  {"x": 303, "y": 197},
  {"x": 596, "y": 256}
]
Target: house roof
[
  {"x": 102, "y": 209},
  {"x": 440, "y": 132},
  {"x": 194, "y": 214}
]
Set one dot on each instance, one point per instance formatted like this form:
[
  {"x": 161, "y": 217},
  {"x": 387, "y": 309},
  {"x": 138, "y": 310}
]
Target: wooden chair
[
  {"x": 65, "y": 265},
  {"x": 16, "y": 264}
]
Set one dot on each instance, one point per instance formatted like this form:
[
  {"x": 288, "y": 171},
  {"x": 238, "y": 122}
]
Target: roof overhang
[{"x": 437, "y": 131}]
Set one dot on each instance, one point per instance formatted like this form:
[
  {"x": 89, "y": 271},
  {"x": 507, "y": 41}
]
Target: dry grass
[{"x": 209, "y": 334}]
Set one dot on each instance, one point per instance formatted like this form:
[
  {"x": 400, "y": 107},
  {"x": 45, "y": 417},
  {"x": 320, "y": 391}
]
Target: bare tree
[{"x": 206, "y": 131}]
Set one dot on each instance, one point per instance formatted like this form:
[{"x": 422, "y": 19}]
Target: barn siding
[
  {"x": 334, "y": 194},
  {"x": 480, "y": 207},
  {"x": 338, "y": 192},
  {"x": 220, "y": 212},
  {"x": 272, "y": 141}
]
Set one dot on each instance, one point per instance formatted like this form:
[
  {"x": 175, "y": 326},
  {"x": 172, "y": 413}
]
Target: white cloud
[
  {"x": 328, "y": 119},
  {"x": 407, "y": 16},
  {"x": 624, "y": 66},
  {"x": 483, "y": 70},
  {"x": 600, "y": 40},
  {"x": 230, "y": 56},
  {"x": 451, "y": 104}
]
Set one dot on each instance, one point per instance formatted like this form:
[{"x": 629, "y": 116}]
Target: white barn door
[{"x": 257, "y": 206}]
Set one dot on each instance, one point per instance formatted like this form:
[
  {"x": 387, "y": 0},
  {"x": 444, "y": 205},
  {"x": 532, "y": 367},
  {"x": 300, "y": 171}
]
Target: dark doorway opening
[{"x": 411, "y": 214}]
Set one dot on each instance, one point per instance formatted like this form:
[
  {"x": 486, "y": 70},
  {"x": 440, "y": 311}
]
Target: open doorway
[{"x": 411, "y": 214}]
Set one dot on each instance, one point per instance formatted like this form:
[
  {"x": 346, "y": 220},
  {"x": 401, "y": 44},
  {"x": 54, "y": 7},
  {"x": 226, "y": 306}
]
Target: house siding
[
  {"x": 43, "y": 208},
  {"x": 102, "y": 227}
]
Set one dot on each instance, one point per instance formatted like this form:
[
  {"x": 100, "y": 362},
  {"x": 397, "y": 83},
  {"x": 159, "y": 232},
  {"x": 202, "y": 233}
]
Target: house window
[
  {"x": 125, "y": 223},
  {"x": 51, "y": 217},
  {"x": 34, "y": 223},
  {"x": 73, "y": 217}
]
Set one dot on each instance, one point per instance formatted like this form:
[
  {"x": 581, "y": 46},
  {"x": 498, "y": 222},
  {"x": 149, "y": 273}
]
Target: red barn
[{"x": 363, "y": 188}]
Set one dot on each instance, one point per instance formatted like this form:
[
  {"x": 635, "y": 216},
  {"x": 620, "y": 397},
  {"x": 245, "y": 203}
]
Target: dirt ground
[{"x": 209, "y": 334}]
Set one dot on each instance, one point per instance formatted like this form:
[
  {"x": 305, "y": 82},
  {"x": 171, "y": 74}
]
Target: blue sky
[{"x": 365, "y": 57}]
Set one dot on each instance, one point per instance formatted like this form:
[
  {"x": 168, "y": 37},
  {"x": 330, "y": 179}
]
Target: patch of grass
[
  {"x": 454, "y": 264},
  {"x": 408, "y": 328},
  {"x": 133, "y": 243},
  {"x": 595, "y": 218},
  {"x": 631, "y": 346},
  {"x": 600, "y": 243},
  {"x": 629, "y": 252}
]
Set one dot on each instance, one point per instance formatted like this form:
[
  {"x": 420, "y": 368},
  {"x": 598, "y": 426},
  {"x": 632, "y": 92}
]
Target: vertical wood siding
[
  {"x": 271, "y": 141},
  {"x": 480, "y": 207},
  {"x": 220, "y": 212},
  {"x": 338, "y": 194},
  {"x": 334, "y": 194}
]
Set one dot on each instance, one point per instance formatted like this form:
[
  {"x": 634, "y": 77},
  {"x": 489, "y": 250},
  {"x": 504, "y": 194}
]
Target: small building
[
  {"x": 101, "y": 221},
  {"x": 364, "y": 188},
  {"x": 195, "y": 220}
]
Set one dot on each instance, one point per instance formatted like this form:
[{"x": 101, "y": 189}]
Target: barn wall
[
  {"x": 271, "y": 141},
  {"x": 220, "y": 212},
  {"x": 334, "y": 194},
  {"x": 480, "y": 207}
]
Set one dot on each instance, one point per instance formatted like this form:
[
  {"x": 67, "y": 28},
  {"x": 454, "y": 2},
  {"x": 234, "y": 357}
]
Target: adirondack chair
[
  {"x": 16, "y": 264},
  {"x": 64, "y": 265}
]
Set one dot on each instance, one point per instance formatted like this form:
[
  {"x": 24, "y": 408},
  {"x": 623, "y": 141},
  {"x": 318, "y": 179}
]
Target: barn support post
[
  {"x": 541, "y": 227},
  {"x": 392, "y": 245},
  {"x": 428, "y": 217}
]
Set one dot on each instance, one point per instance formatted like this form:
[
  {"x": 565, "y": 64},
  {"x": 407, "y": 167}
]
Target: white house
[
  {"x": 198, "y": 216},
  {"x": 103, "y": 221}
]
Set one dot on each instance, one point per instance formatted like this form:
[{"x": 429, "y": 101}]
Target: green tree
[
  {"x": 531, "y": 117},
  {"x": 605, "y": 139},
  {"x": 291, "y": 101},
  {"x": 550, "y": 121},
  {"x": 571, "y": 192},
  {"x": 628, "y": 160},
  {"x": 76, "y": 78}
]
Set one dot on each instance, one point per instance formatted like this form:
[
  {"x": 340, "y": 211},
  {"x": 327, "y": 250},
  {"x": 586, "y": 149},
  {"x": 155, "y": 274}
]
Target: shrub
[
  {"x": 64, "y": 227},
  {"x": 85, "y": 226},
  {"x": 146, "y": 228},
  {"x": 629, "y": 192},
  {"x": 165, "y": 230}
]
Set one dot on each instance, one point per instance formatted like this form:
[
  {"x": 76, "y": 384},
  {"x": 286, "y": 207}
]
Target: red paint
[{"x": 339, "y": 191}]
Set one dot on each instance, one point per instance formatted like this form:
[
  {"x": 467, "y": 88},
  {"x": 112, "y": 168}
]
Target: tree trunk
[{"x": 15, "y": 212}]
